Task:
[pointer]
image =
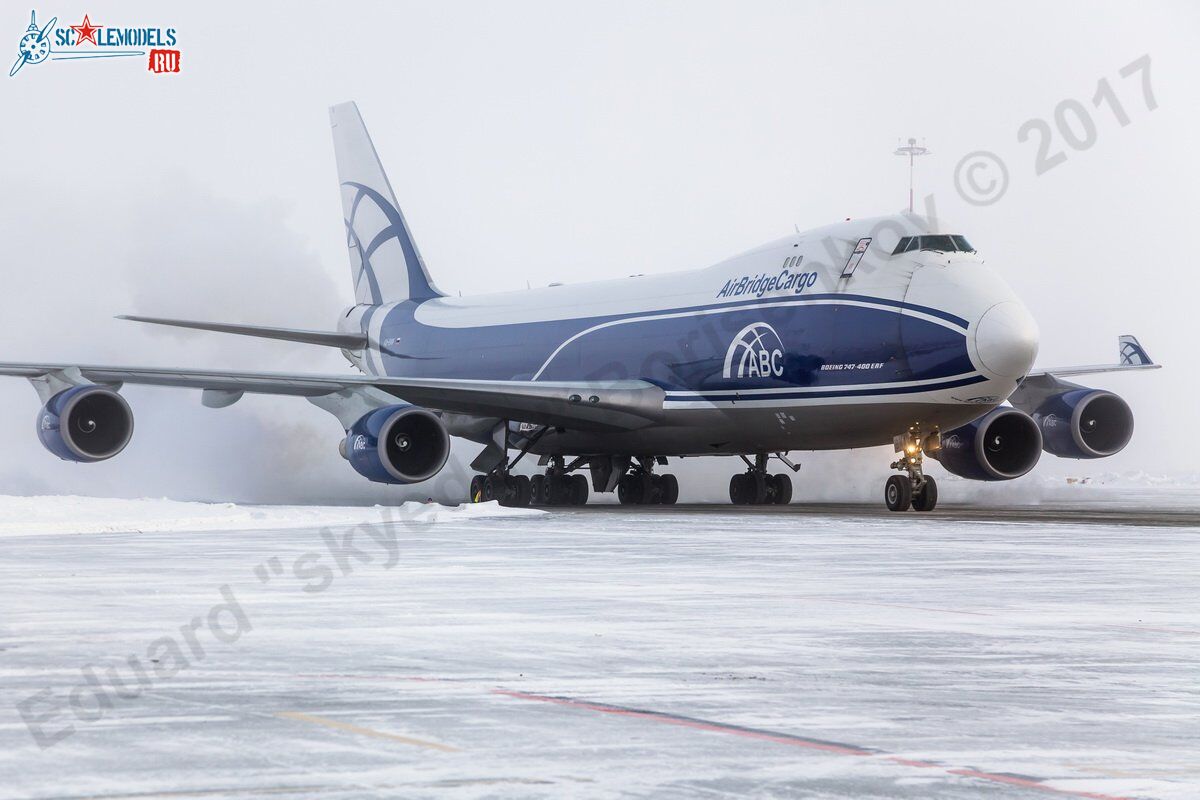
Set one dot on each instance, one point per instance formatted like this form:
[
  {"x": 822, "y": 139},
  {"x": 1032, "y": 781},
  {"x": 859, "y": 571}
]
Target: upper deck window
[{"x": 942, "y": 243}]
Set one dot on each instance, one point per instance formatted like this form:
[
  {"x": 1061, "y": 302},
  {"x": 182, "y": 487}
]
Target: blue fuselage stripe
[
  {"x": 821, "y": 345},
  {"x": 750, "y": 396}
]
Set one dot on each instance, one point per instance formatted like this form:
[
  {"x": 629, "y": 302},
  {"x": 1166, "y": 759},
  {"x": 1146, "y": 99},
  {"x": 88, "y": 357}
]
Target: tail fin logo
[
  {"x": 385, "y": 264},
  {"x": 1132, "y": 352}
]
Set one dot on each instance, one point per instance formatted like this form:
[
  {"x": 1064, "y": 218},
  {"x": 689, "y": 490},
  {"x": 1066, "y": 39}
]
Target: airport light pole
[{"x": 912, "y": 150}]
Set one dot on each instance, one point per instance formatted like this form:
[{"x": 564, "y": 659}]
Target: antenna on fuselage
[{"x": 912, "y": 150}]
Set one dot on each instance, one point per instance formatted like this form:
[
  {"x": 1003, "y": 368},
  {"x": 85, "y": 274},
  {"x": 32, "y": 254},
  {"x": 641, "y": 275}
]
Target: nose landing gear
[{"x": 914, "y": 489}]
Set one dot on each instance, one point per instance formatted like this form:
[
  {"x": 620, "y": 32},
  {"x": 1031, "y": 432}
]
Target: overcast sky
[{"x": 561, "y": 141}]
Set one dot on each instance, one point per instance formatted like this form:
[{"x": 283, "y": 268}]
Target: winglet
[
  {"x": 1131, "y": 356},
  {"x": 1132, "y": 353}
]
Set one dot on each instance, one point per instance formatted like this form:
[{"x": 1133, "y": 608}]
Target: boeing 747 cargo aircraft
[{"x": 891, "y": 330}]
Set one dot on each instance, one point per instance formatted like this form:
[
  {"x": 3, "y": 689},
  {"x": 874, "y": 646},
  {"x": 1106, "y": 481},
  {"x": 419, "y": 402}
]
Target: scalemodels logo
[
  {"x": 756, "y": 352},
  {"x": 51, "y": 42}
]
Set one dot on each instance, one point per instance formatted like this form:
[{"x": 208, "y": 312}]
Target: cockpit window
[{"x": 943, "y": 243}]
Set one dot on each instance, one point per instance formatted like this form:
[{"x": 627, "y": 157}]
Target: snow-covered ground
[
  {"x": 1108, "y": 489},
  {"x": 29, "y": 516},
  {"x": 604, "y": 654}
]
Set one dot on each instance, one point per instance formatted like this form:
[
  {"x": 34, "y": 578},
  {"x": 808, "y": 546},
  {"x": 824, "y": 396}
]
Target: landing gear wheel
[
  {"x": 748, "y": 489},
  {"x": 477, "y": 489},
  {"x": 578, "y": 485},
  {"x": 652, "y": 489},
  {"x": 758, "y": 488},
  {"x": 669, "y": 490},
  {"x": 898, "y": 493},
  {"x": 782, "y": 489},
  {"x": 629, "y": 489},
  {"x": 925, "y": 499},
  {"x": 493, "y": 488},
  {"x": 649, "y": 491},
  {"x": 555, "y": 496},
  {"x": 524, "y": 490},
  {"x": 537, "y": 490},
  {"x": 738, "y": 490}
]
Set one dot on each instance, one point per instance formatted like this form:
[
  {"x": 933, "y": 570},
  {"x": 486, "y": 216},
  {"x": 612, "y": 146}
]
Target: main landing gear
[
  {"x": 640, "y": 486},
  {"x": 556, "y": 488},
  {"x": 756, "y": 487},
  {"x": 914, "y": 489}
]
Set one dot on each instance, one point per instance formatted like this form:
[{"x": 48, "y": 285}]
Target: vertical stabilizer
[{"x": 384, "y": 261}]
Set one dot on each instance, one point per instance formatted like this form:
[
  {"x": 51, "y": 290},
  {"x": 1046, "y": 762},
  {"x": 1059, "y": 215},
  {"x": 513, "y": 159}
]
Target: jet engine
[
  {"x": 1084, "y": 423},
  {"x": 85, "y": 424},
  {"x": 1002, "y": 445},
  {"x": 397, "y": 444}
]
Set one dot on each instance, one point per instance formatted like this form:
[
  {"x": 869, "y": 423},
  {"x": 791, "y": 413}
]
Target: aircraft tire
[
  {"x": 477, "y": 489},
  {"x": 898, "y": 493},
  {"x": 631, "y": 489},
  {"x": 627, "y": 494},
  {"x": 537, "y": 490},
  {"x": 651, "y": 489},
  {"x": 738, "y": 492},
  {"x": 782, "y": 485},
  {"x": 524, "y": 490},
  {"x": 558, "y": 490},
  {"x": 926, "y": 499},
  {"x": 578, "y": 489},
  {"x": 670, "y": 490},
  {"x": 757, "y": 488},
  {"x": 493, "y": 489}
]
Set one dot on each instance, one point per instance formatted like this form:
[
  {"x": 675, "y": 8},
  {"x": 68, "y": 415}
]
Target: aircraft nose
[{"x": 1006, "y": 340}]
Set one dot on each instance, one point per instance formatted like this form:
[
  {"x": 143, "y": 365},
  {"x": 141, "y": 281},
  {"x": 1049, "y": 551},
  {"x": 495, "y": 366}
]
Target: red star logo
[{"x": 85, "y": 31}]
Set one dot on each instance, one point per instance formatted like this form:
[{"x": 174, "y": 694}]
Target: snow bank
[{"x": 29, "y": 516}]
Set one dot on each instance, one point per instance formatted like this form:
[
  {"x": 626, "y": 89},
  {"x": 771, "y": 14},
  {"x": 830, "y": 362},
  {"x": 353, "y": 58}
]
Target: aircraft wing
[
  {"x": 581, "y": 405},
  {"x": 1131, "y": 354}
]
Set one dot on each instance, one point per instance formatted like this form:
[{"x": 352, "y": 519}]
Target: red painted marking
[
  {"x": 687, "y": 722},
  {"x": 1030, "y": 783},
  {"x": 797, "y": 741},
  {"x": 910, "y": 763},
  {"x": 753, "y": 733}
]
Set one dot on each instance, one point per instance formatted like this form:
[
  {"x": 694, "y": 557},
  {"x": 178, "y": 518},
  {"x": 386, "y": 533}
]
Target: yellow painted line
[{"x": 348, "y": 728}]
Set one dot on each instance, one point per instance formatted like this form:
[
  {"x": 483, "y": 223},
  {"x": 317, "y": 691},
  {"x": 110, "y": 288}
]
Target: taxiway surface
[{"x": 691, "y": 652}]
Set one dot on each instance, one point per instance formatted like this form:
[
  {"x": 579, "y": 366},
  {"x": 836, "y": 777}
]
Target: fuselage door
[{"x": 856, "y": 256}]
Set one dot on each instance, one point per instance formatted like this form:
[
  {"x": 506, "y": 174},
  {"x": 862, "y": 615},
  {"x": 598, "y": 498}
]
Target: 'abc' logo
[{"x": 756, "y": 352}]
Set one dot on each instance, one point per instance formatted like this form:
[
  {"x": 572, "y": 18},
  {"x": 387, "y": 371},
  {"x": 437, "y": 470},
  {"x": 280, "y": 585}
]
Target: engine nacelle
[
  {"x": 1084, "y": 423},
  {"x": 85, "y": 424},
  {"x": 1004, "y": 444},
  {"x": 397, "y": 444}
]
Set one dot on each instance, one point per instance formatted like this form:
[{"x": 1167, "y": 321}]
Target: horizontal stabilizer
[{"x": 346, "y": 341}]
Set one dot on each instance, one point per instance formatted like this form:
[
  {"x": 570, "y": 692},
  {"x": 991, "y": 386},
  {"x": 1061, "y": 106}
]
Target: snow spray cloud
[{"x": 52, "y": 717}]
